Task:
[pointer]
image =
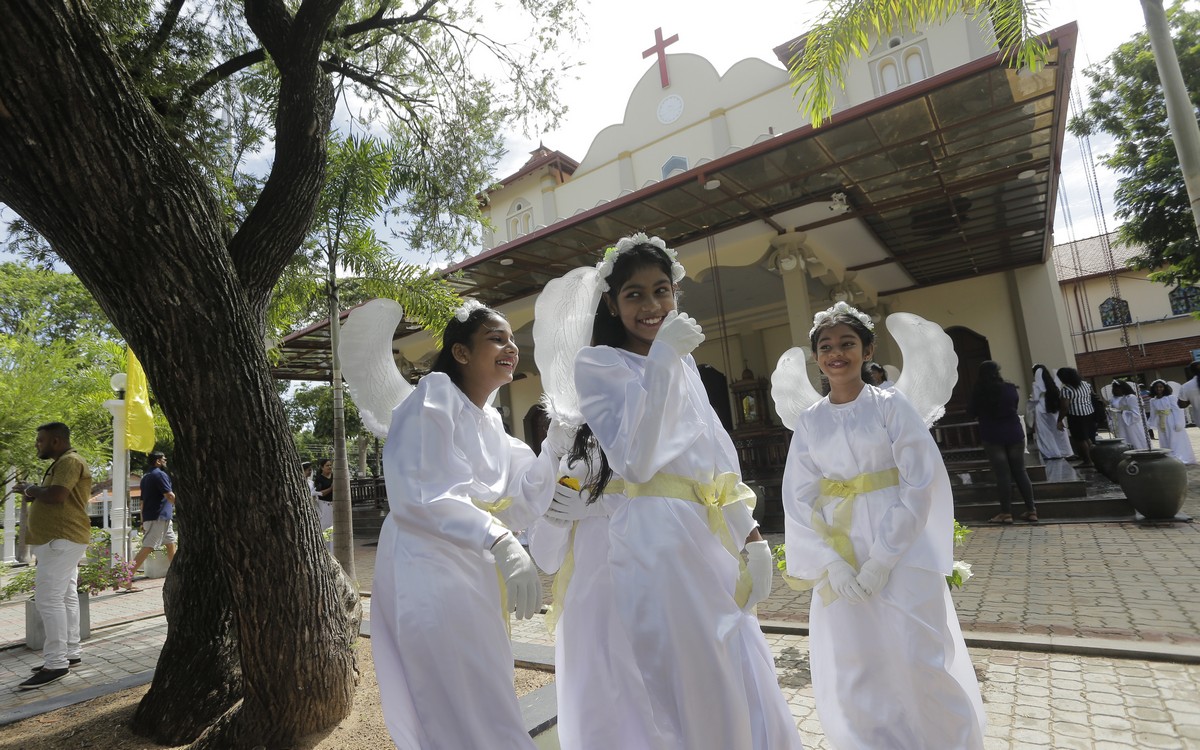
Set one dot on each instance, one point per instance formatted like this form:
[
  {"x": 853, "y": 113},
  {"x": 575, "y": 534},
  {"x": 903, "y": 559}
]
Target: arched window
[
  {"x": 1184, "y": 300},
  {"x": 1114, "y": 312},
  {"x": 889, "y": 76},
  {"x": 520, "y": 219},
  {"x": 914, "y": 65},
  {"x": 672, "y": 164}
]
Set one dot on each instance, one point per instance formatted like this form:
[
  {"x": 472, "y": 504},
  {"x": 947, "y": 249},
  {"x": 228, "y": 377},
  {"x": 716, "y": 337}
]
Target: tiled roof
[{"x": 1087, "y": 257}]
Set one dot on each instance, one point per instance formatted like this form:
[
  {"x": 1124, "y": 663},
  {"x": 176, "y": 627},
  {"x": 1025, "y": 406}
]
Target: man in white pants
[{"x": 58, "y": 532}]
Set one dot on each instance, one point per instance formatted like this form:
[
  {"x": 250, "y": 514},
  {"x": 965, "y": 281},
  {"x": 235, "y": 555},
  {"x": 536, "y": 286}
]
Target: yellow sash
[
  {"x": 841, "y": 493},
  {"x": 562, "y": 579},
  {"x": 493, "y": 508},
  {"x": 725, "y": 489},
  {"x": 1163, "y": 414}
]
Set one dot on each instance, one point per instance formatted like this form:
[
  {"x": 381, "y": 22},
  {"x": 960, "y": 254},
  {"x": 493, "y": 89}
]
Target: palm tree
[
  {"x": 362, "y": 180},
  {"x": 845, "y": 28}
]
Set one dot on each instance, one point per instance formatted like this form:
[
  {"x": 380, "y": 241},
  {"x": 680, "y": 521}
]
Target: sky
[
  {"x": 617, "y": 31},
  {"x": 609, "y": 62}
]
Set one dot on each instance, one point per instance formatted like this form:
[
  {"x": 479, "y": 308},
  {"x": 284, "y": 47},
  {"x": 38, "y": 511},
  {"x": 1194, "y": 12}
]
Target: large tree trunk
[{"x": 261, "y": 622}]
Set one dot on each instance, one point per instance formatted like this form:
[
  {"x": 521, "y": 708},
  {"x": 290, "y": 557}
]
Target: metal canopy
[{"x": 955, "y": 177}]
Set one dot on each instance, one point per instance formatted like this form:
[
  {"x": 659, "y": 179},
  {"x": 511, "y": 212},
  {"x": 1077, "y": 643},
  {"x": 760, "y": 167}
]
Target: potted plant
[
  {"x": 96, "y": 575},
  {"x": 157, "y": 563}
]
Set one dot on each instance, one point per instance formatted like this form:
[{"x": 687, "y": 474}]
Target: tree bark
[{"x": 261, "y": 621}]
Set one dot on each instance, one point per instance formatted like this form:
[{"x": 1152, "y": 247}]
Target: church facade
[{"x": 930, "y": 190}]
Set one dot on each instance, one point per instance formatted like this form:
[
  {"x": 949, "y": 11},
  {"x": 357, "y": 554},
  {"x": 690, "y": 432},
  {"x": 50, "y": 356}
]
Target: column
[
  {"x": 10, "y": 519},
  {"x": 120, "y": 473}
]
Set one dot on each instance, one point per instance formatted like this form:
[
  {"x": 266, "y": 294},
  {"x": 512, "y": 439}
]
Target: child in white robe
[
  {"x": 447, "y": 566},
  {"x": 680, "y": 588},
  {"x": 869, "y": 524},
  {"x": 1128, "y": 416},
  {"x": 1047, "y": 401},
  {"x": 1170, "y": 421},
  {"x": 602, "y": 701}
]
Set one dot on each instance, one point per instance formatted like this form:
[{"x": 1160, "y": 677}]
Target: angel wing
[
  {"x": 563, "y": 315},
  {"x": 930, "y": 364},
  {"x": 791, "y": 389},
  {"x": 370, "y": 371}
]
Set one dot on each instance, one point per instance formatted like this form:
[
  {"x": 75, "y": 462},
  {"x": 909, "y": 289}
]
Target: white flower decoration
[
  {"x": 605, "y": 266},
  {"x": 963, "y": 569},
  {"x": 468, "y": 306},
  {"x": 838, "y": 308}
]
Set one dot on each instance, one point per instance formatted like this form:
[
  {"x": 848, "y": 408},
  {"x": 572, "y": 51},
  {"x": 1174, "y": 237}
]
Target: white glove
[
  {"x": 559, "y": 439},
  {"x": 681, "y": 332},
  {"x": 843, "y": 580},
  {"x": 762, "y": 571},
  {"x": 568, "y": 505},
  {"x": 520, "y": 575},
  {"x": 872, "y": 577}
]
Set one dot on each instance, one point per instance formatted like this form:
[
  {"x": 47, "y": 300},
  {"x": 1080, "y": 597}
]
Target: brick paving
[{"x": 1121, "y": 585}]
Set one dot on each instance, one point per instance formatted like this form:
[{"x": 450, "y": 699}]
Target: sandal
[
  {"x": 1001, "y": 518},
  {"x": 1030, "y": 516}
]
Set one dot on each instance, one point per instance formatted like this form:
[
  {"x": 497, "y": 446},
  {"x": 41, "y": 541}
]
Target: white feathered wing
[
  {"x": 791, "y": 389},
  {"x": 930, "y": 364},
  {"x": 563, "y": 315},
  {"x": 368, "y": 367}
]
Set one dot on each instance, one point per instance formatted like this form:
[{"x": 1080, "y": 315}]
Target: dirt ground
[{"x": 102, "y": 723}]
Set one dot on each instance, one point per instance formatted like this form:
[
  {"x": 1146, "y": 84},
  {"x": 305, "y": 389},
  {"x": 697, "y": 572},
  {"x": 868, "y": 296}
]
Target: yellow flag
[{"x": 139, "y": 420}]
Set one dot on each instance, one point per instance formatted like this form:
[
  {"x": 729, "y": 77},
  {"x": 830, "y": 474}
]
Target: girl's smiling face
[
  {"x": 490, "y": 360},
  {"x": 840, "y": 355},
  {"x": 641, "y": 304}
]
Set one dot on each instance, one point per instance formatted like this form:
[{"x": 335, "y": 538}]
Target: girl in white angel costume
[
  {"x": 1170, "y": 421},
  {"x": 448, "y": 570},
  {"x": 1128, "y": 409},
  {"x": 681, "y": 592},
  {"x": 869, "y": 524},
  {"x": 1047, "y": 400},
  {"x": 602, "y": 701}
]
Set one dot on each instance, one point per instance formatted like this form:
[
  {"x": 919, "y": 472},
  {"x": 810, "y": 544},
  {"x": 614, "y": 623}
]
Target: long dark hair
[
  {"x": 1053, "y": 395},
  {"x": 1069, "y": 376},
  {"x": 608, "y": 330},
  {"x": 989, "y": 389},
  {"x": 460, "y": 332}
]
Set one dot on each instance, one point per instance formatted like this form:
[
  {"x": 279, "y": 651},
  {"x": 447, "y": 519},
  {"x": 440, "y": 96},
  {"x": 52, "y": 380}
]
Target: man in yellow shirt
[{"x": 58, "y": 532}]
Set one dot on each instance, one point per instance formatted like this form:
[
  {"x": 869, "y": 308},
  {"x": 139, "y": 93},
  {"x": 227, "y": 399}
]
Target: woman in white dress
[
  {"x": 869, "y": 524},
  {"x": 1052, "y": 442},
  {"x": 448, "y": 570},
  {"x": 602, "y": 701},
  {"x": 1127, "y": 408},
  {"x": 681, "y": 591},
  {"x": 1170, "y": 421}
]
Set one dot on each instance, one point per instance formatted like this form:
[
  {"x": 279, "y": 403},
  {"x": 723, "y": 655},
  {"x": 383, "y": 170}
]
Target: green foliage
[
  {"x": 847, "y": 27},
  {"x": 55, "y": 381},
  {"x": 63, "y": 309},
  {"x": 311, "y": 409},
  {"x": 1125, "y": 101}
]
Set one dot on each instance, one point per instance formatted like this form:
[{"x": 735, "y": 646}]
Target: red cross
[{"x": 660, "y": 49}]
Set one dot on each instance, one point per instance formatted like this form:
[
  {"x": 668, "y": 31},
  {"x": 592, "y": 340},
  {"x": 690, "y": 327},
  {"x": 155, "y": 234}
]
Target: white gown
[
  {"x": 602, "y": 701},
  {"x": 892, "y": 672},
  {"x": 1128, "y": 421},
  {"x": 1190, "y": 392},
  {"x": 1051, "y": 441},
  {"x": 442, "y": 653},
  {"x": 704, "y": 661},
  {"x": 1171, "y": 423}
]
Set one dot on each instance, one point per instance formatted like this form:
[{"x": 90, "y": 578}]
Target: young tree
[
  {"x": 1126, "y": 101},
  {"x": 846, "y": 28},
  {"x": 115, "y": 148},
  {"x": 362, "y": 176}
]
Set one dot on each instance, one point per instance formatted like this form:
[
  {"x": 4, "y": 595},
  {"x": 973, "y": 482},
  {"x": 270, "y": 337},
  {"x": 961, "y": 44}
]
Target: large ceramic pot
[
  {"x": 1154, "y": 481},
  {"x": 156, "y": 564},
  {"x": 1106, "y": 454},
  {"x": 35, "y": 631}
]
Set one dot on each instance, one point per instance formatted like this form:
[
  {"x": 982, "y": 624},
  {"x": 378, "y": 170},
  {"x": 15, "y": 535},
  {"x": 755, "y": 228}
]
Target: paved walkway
[{"x": 1084, "y": 636}]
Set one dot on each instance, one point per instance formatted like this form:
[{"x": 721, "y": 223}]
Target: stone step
[
  {"x": 986, "y": 492},
  {"x": 367, "y": 520},
  {"x": 1097, "y": 508}
]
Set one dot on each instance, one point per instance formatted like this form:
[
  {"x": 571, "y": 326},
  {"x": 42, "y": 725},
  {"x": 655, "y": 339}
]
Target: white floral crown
[
  {"x": 839, "y": 308},
  {"x": 468, "y": 306},
  {"x": 605, "y": 266}
]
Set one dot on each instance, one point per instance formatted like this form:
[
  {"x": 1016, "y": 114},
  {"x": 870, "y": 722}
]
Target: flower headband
[
  {"x": 468, "y": 306},
  {"x": 839, "y": 308},
  {"x": 605, "y": 266}
]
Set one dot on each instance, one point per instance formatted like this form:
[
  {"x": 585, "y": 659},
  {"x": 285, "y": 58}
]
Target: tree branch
[
  {"x": 170, "y": 16},
  {"x": 376, "y": 22}
]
